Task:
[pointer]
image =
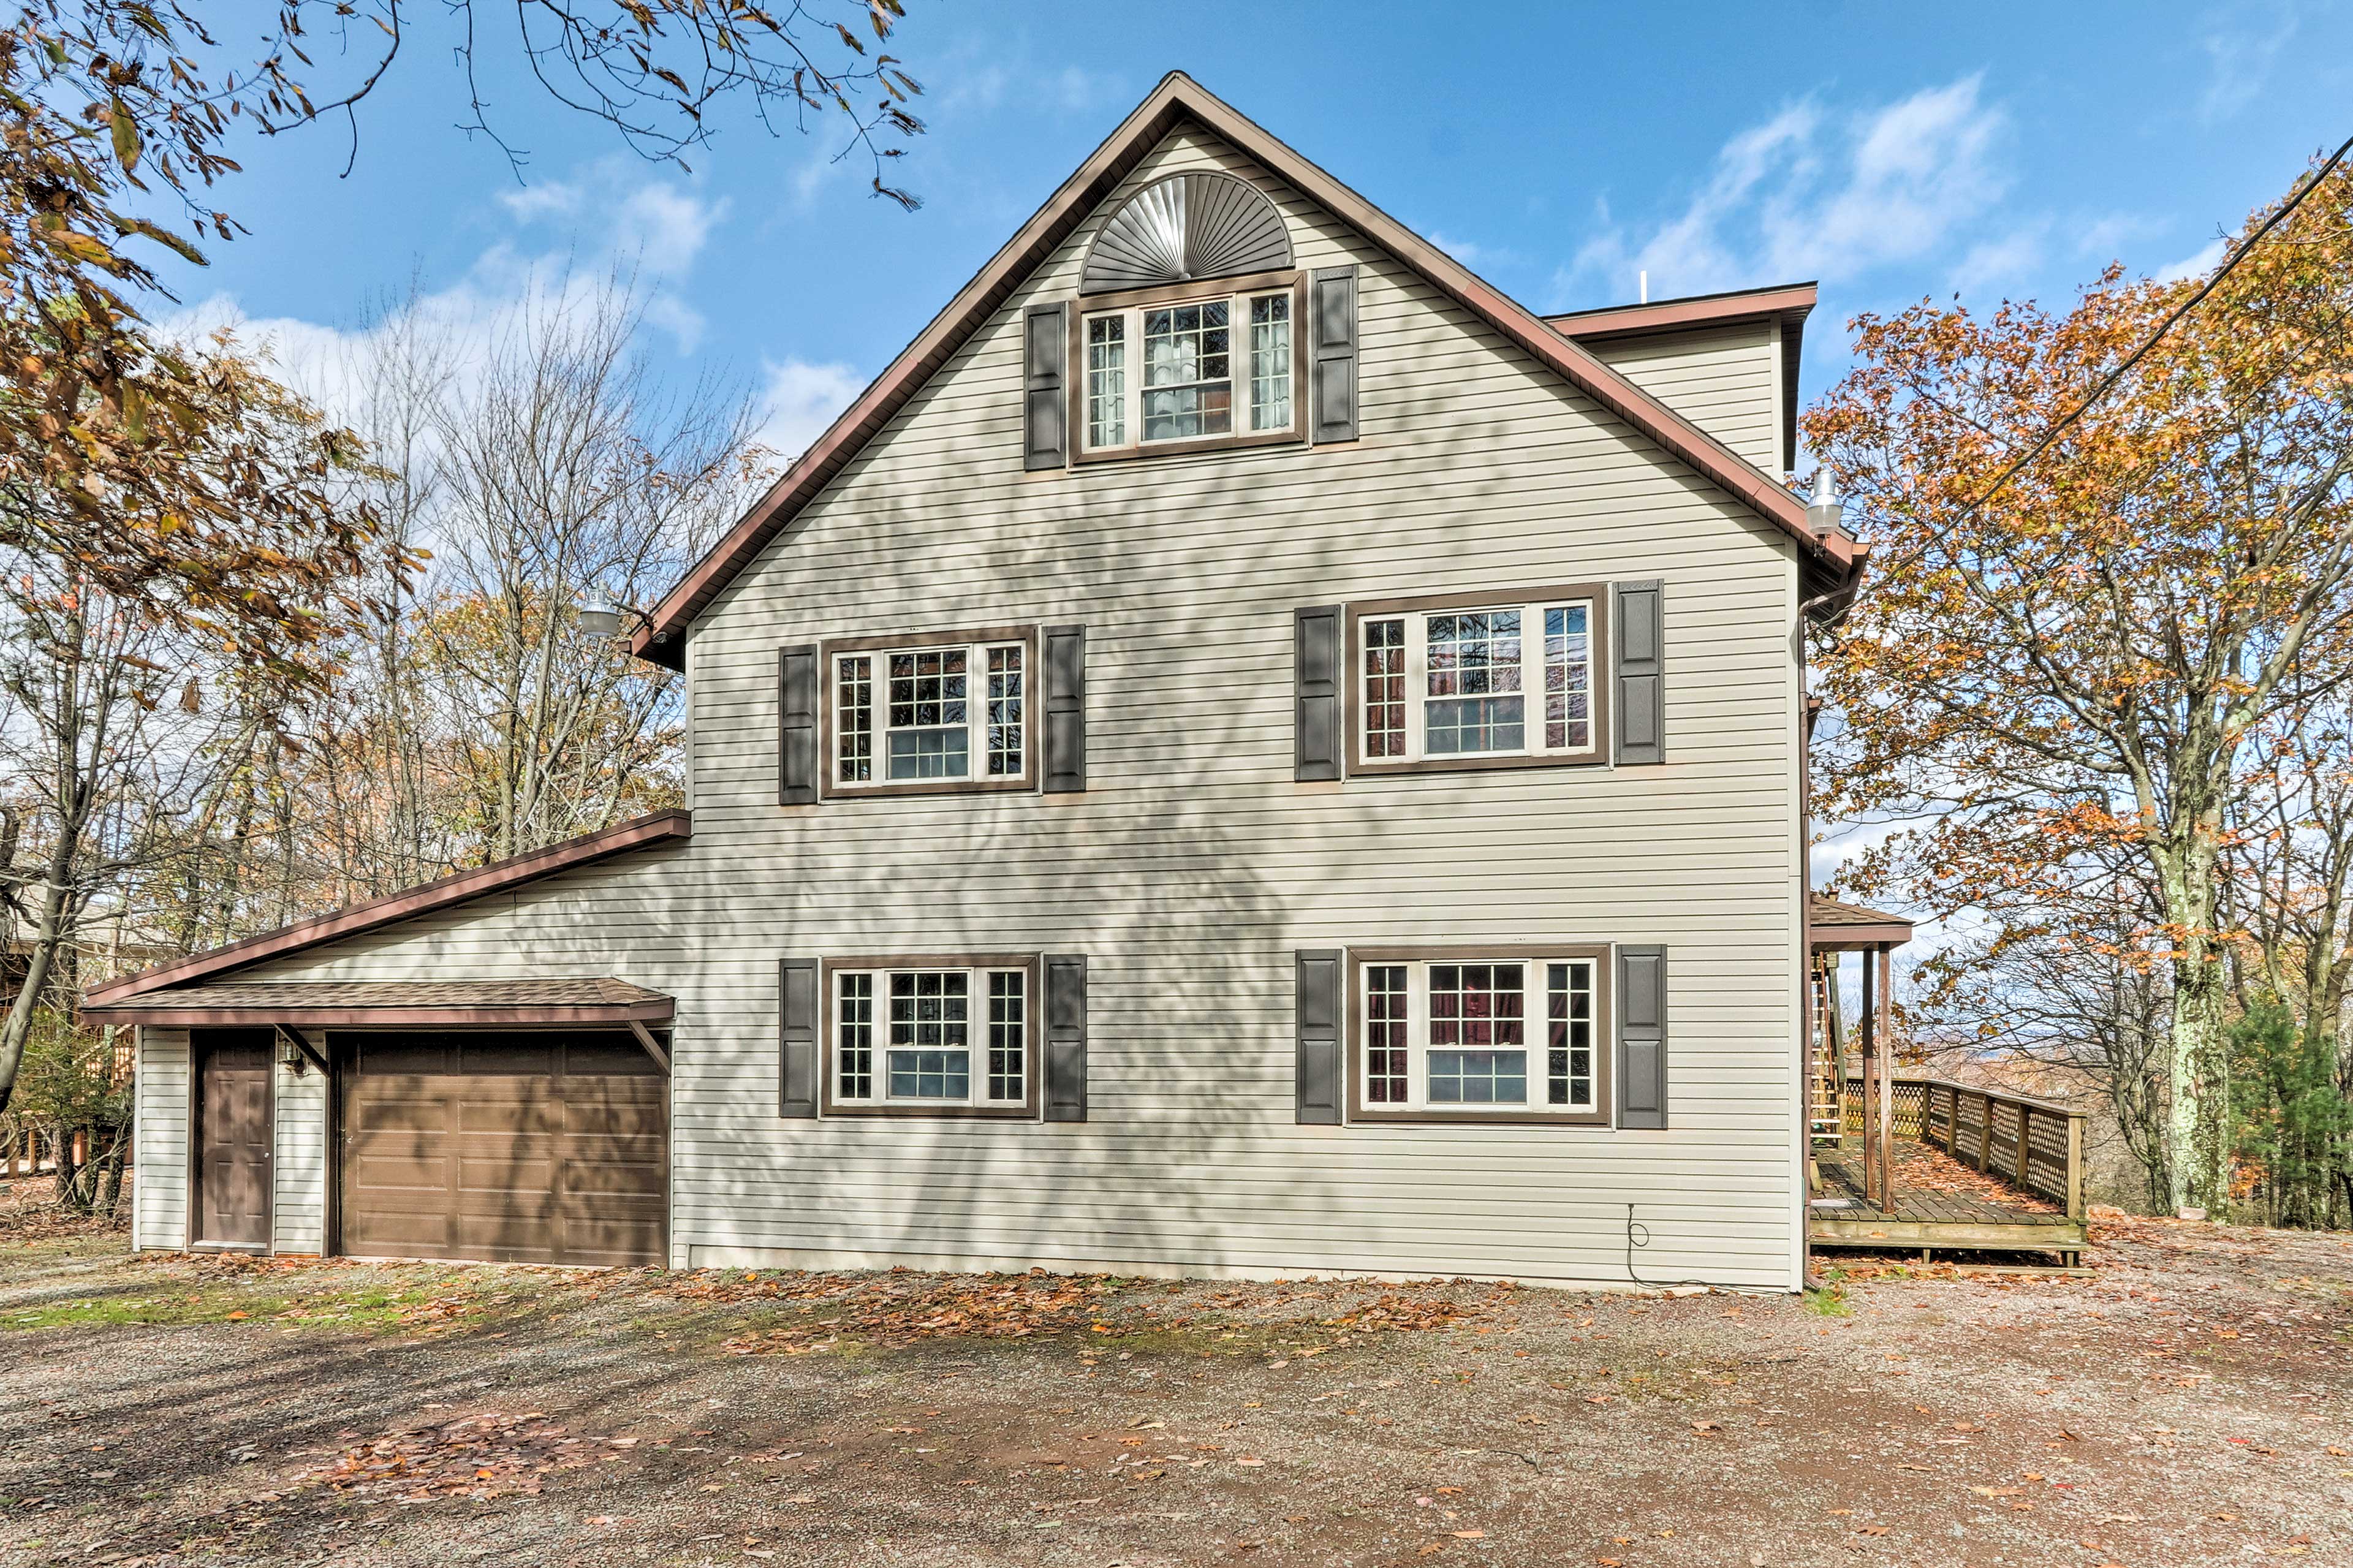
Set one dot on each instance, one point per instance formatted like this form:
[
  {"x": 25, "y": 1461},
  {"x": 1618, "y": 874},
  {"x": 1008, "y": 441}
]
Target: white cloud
[
  {"x": 2197, "y": 264},
  {"x": 566, "y": 241},
  {"x": 1991, "y": 262},
  {"x": 1471, "y": 254},
  {"x": 799, "y": 400},
  {"x": 665, "y": 227},
  {"x": 985, "y": 87},
  {"x": 1814, "y": 194},
  {"x": 2241, "y": 45},
  {"x": 614, "y": 214},
  {"x": 810, "y": 176},
  {"x": 682, "y": 321},
  {"x": 569, "y": 246},
  {"x": 314, "y": 359},
  {"x": 553, "y": 198},
  {"x": 1076, "y": 90}
]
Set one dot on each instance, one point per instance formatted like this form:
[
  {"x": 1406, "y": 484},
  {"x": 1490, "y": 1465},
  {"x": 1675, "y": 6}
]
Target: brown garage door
[{"x": 520, "y": 1148}]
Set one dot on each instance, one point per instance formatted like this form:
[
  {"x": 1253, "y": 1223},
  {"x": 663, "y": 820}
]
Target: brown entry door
[
  {"x": 233, "y": 1137},
  {"x": 519, "y": 1148}
]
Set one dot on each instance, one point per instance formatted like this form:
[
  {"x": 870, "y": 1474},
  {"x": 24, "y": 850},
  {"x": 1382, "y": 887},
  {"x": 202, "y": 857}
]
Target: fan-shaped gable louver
[{"x": 1199, "y": 224}]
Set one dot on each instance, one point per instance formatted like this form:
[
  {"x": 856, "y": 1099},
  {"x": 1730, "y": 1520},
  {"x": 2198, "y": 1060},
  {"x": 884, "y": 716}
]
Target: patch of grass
[
  {"x": 1194, "y": 1339},
  {"x": 410, "y": 1304},
  {"x": 1830, "y": 1302},
  {"x": 366, "y": 1308},
  {"x": 16, "y": 1252}
]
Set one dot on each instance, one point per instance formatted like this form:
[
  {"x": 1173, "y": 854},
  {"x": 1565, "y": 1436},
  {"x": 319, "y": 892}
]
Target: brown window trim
[
  {"x": 829, "y": 786},
  {"x": 1033, "y": 1035},
  {"x": 1179, "y": 294},
  {"x": 1604, "y": 1036},
  {"x": 1359, "y": 766}
]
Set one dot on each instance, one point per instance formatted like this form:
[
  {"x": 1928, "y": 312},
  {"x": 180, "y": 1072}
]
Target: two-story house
[{"x": 1244, "y": 752}]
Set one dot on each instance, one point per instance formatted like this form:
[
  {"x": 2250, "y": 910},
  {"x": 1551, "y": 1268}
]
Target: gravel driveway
[{"x": 2187, "y": 1402}]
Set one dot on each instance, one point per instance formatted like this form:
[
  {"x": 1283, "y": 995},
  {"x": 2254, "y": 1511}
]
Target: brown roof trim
[
  {"x": 638, "y": 833},
  {"x": 159, "y": 1012},
  {"x": 1176, "y": 98},
  {"x": 1785, "y": 300}
]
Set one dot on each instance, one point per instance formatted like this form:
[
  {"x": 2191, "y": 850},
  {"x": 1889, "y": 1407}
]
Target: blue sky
[{"x": 1891, "y": 151}]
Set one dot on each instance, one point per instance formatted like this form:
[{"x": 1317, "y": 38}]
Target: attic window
[{"x": 1197, "y": 366}]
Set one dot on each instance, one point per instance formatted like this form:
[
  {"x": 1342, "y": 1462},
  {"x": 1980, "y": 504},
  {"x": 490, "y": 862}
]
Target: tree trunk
[
  {"x": 2198, "y": 1113},
  {"x": 48, "y": 936},
  {"x": 110, "y": 1183},
  {"x": 69, "y": 1172}
]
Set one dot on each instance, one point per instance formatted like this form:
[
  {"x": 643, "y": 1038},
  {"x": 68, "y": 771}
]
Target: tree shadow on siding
[
  {"x": 1181, "y": 873},
  {"x": 1194, "y": 866}
]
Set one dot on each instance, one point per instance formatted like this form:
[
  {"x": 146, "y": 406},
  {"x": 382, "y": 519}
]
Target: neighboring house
[{"x": 1245, "y": 752}]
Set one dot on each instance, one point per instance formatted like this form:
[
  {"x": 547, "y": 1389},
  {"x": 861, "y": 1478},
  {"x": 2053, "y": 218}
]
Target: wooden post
[
  {"x": 1870, "y": 1082},
  {"x": 1884, "y": 1029},
  {"x": 2074, "y": 1166},
  {"x": 2025, "y": 1145}
]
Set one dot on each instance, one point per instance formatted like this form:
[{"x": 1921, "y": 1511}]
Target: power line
[{"x": 2109, "y": 382}]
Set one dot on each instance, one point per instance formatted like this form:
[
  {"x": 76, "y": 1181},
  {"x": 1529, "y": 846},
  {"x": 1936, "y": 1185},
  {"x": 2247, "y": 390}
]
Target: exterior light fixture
[
  {"x": 602, "y": 620},
  {"x": 1827, "y": 514}
]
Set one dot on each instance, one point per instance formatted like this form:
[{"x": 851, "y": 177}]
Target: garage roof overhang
[{"x": 393, "y": 1003}]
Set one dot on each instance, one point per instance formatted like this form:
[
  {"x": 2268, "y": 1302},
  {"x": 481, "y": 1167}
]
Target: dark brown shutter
[
  {"x": 1641, "y": 1036},
  {"x": 1066, "y": 1036},
  {"x": 1332, "y": 308},
  {"x": 1045, "y": 416},
  {"x": 1065, "y": 767},
  {"x": 1316, "y": 720},
  {"x": 1319, "y": 1037},
  {"x": 796, "y": 1064},
  {"x": 1638, "y": 654},
  {"x": 796, "y": 699}
]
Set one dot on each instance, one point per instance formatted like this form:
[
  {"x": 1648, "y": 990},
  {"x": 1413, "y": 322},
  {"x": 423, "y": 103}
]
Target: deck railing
[{"x": 2033, "y": 1144}]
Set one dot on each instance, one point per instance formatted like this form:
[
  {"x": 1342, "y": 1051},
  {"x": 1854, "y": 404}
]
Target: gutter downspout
[{"x": 1826, "y": 514}]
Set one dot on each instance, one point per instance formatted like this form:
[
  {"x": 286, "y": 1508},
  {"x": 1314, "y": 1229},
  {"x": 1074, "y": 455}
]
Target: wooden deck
[{"x": 1927, "y": 1218}]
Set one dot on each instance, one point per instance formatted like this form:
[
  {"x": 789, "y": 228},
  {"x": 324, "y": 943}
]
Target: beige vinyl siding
[
  {"x": 1194, "y": 866},
  {"x": 159, "y": 1216},
  {"x": 1725, "y": 379},
  {"x": 299, "y": 1162}
]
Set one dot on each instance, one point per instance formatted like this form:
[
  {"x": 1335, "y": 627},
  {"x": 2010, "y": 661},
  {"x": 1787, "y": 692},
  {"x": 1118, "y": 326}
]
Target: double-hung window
[
  {"x": 954, "y": 712},
  {"x": 1479, "y": 681},
  {"x": 1479, "y": 1036},
  {"x": 948, "y": 1037},
  {"x": 1212, "y": 365}
]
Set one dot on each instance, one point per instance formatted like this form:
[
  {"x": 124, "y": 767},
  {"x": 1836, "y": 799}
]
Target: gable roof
[
  {"x": 638, "y": 833},
  {"x": 1790, "y": 303},
  {"x": 1178, "y": 99}
]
